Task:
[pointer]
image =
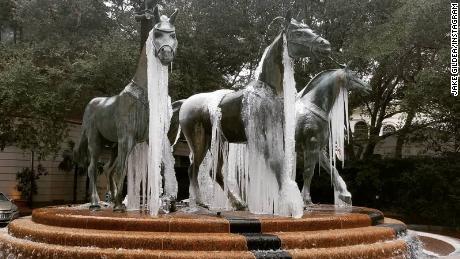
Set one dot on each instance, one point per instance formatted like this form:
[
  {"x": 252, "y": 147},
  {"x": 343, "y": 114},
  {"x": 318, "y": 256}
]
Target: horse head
[
  {"x": 302, "y": 41},
  {"x": 164, "y": 36},
  {"x": 355, "y": 83}
]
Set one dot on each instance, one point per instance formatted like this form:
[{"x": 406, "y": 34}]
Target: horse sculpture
[
  {"x": 196, "y": 119},
  {"x": 315, "y": 121},
  {"x": 122, "y": 120}
]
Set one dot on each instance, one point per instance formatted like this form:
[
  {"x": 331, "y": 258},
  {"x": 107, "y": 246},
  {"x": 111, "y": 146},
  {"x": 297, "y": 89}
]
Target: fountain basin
[{"x": 324, "y": 231}]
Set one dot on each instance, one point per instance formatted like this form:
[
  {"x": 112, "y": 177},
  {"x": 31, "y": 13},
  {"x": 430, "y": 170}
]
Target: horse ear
[
  {"x": 172, "y": 19},
  {"x": 288, "y": 18},
  {"x": 156, "y": 15}
]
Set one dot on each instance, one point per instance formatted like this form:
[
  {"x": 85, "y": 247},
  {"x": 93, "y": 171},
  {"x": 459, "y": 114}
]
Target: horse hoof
[
  {"x": 345, "y": 199},
  {"x": 240, "y": 206},
  {"x": 119, "y": 208},
  {"x": 307, "y": 203},
  {"x": 203, "y": 205},
  {"x": 172, "y": 206},
  {"x": 94, "y": 207}
]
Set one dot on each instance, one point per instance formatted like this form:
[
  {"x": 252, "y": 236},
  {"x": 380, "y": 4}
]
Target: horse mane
[{"x": 310, "y": 84}]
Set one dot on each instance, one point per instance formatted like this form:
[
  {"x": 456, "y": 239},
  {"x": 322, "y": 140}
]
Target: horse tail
[
  {"x": 174, "y": 129},
  {"x": 80, "y": 152}
]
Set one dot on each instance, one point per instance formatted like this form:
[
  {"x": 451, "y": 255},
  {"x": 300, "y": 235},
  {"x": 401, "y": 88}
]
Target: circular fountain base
[{"x": 323, "y": 232}]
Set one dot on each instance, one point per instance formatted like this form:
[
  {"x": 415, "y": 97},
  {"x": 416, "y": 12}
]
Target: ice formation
[
  {"x": 338, "y": 127},
  {"x": 338, "y": 130},
  {"x": 211, "y": 193},
  {"x": 270, "y": 149},
  {"x": 157, "y": 156},
  {"x": 291, "y": 200},
  {"x": 263, "y": 168},
  {"x": 137, "y": 176}
]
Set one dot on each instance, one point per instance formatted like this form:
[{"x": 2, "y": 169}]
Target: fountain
[{"x": 246, "y": 143}]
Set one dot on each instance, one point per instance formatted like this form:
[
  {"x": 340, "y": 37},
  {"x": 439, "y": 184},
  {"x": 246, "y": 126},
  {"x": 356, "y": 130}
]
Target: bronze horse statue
[
  {"x": 195, "y": 117},
  {"x": 313, "y": 110},
  {"x": 122, "y": 121}
]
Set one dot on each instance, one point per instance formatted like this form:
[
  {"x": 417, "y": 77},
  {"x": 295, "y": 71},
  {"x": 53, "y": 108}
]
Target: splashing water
[{"x": 158, "y": 154}]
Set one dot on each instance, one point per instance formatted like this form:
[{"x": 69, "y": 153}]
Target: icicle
[
  {"x": 137, "y": 170},
  {"x": 290, "y": 195},
  {"x": 338, "y": 128},
  {"x": 270, "y": 150},
  {"x": 263, "y": 125},
  {"x": 260, "y": 65},
  {"x": 210, "y": 163},
  {"x": 160, "y": 112}
]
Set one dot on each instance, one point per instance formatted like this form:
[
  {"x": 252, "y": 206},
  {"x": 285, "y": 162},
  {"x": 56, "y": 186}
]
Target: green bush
[
  {"x": 424, "y": 190},
  {"x": 27, "y": 181}
]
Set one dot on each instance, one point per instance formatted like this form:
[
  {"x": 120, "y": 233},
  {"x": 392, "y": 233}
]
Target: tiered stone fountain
[{"x": 323, "y": 232}]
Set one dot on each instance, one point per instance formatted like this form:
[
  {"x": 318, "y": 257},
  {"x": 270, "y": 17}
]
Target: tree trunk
[
  {"x": 75, "y": 178},
  {"x": 14, "y": 34},
  {"x": 87, "y": 188},
  {"x": 350, "y": 147},
  {"x": 401, "y": 136},
  {"x": 31, "y": 180},
  {"x": 372, "y": 142}
]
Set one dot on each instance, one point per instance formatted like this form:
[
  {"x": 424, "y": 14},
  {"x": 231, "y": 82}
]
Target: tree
[{"x": 395, "y": 43}]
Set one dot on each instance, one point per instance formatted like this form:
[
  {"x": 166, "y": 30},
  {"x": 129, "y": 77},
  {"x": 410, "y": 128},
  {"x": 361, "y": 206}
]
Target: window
[
  {"x": 360, "y": 130},
  {"x": 388, "y": 129}
]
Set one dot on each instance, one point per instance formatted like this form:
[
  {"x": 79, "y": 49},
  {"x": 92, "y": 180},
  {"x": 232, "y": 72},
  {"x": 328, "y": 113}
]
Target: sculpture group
[{"x": 255, "y": 115}]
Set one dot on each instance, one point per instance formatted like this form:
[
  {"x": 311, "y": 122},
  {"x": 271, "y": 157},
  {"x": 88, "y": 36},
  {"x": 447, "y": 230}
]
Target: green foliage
[
  {"x": 218, "y": 40},
  {"x": 34, "y": 103},
  {"x": 424, "y": 190},
  {"x": 69, "y": 52},
  {"x": 27, "y": 181}
]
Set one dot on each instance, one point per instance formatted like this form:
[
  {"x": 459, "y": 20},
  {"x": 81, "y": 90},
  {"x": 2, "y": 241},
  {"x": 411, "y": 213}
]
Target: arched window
[
  {"x": 361, "y": 130},
  {"x": 388, "y": 129}
]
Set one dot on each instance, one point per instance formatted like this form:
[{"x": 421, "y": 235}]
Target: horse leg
[
  {"x": 309, "y": 161},
  {"x": 235, "y": 199},
  {"x": 94, "y": 148},
  {"x": 290, "y": 199},
  {"x": 125, "y": 145},
  {"x": 108, "y": 171},
  {"x": 344, "y": 196},
  {"x": 199, "y": 144}
]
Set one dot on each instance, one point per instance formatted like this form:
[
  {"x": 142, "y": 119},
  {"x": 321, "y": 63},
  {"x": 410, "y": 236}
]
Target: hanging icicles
[
  {"x": 137, "y": 173},
  {"x": 211, "y": 192},
  {"x": 270, "y": 130},
  {"x": 291, "y": 199},
  {"x": 160, "y": 112},
  {"x": 338, "y": 127}
]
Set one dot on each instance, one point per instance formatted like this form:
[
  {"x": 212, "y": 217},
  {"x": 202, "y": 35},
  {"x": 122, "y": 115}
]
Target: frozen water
[
  {"x": 212, "y": 193},
  {"x": 157, "y": 155},
  {"x": 160, "y": 112},
  {"x": 264, "y": 169},
  {"x": 338, "y": 129},
  {"x": 137, "y": 173},
  {"x": 291, "y": 201}
]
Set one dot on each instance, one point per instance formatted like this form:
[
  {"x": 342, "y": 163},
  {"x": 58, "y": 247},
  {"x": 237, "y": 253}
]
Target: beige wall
[{"x": 57, "y": 185}]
